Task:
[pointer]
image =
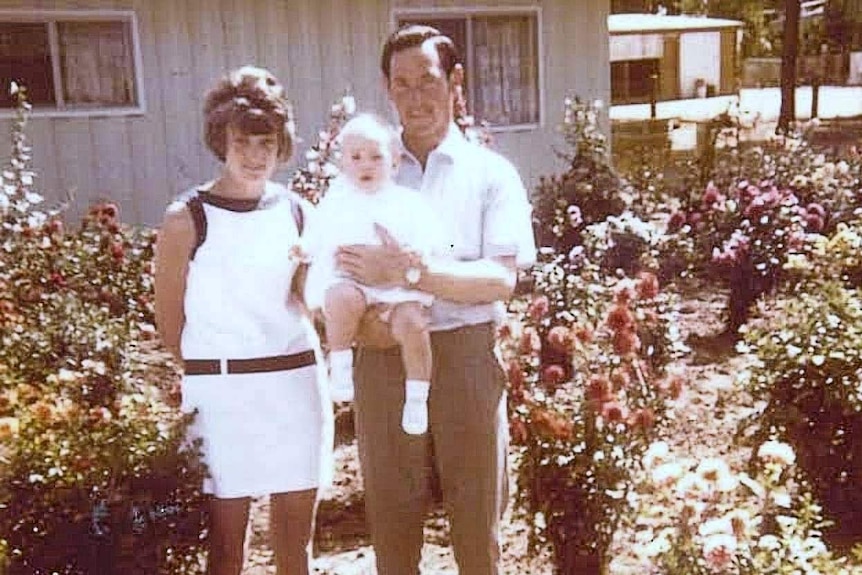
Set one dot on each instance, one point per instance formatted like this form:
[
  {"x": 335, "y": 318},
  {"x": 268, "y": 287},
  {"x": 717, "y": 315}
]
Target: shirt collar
[{"x": 451, "y": 146}]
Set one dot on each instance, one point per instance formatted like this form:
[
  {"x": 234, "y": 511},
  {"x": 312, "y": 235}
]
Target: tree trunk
[{"x": 788, "y": 66}]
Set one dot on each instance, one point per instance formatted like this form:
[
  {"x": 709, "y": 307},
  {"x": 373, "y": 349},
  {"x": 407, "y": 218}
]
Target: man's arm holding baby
[{"x": 468, "y": 282}]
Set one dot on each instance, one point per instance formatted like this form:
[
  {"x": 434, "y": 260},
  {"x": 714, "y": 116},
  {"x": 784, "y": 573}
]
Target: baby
[{"x": 363, "y": 195}]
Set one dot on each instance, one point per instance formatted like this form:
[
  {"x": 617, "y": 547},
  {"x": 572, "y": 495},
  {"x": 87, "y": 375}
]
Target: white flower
[
  {"x": 667, "y": 473},
  {"x": 769, "y": 542},
  {"x": 777, "y": 451},
  {"x": 714, "y": 526},
  {"x": 657, "y": 452},
  {"x": 349, "y": 103}
]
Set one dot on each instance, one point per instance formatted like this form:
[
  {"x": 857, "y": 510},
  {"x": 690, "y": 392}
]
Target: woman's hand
[{"x": 384, "y": 265}]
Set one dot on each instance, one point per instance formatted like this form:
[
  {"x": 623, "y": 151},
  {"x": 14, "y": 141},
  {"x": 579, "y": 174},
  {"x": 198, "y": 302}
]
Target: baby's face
[{"x": 365, "y": 162}]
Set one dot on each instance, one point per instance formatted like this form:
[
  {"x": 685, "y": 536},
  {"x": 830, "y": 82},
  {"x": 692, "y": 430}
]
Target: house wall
[{"x": 318, "y": 48}]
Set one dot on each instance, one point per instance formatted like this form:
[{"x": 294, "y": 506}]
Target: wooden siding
[{"x": 318, "y": 48}]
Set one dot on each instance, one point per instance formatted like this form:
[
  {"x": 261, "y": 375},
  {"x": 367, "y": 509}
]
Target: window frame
[
  {"x": 468, "y": 13},
  {"x": 54, "y": 17}
]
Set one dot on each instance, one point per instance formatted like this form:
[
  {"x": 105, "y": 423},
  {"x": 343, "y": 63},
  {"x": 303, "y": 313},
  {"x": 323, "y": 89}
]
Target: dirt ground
[{"x": 703, "y": 421}]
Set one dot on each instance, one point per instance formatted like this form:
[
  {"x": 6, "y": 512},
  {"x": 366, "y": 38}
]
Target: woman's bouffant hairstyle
[
  {"x": 253, "y": 101},
  {"x": 413, "y": 36}
]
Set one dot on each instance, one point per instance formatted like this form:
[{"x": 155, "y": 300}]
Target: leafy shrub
[
  {"x": 808, "y": 346},
  {"x": 94, "y": 474},
  {"x": 698, "y": 517},
  {"x": 587, "y": 388},
  {"x": 587, "y": 192}
]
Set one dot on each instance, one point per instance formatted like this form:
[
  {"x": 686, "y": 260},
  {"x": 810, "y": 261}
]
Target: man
[{"x": 483, "y": 201}]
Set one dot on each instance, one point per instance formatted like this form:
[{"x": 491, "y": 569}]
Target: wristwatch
[{"x": 413, "y": 273}]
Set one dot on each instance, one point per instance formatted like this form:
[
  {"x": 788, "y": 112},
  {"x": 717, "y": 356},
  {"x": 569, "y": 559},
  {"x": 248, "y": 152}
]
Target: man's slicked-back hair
[{"x": 414, "y": 36}]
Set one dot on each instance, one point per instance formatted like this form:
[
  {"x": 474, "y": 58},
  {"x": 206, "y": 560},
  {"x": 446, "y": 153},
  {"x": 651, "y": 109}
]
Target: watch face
[{"x": 412, "y": 275}]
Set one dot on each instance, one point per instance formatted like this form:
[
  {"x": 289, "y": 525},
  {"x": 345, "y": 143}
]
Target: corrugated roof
[{"x": 643, "y": 23}]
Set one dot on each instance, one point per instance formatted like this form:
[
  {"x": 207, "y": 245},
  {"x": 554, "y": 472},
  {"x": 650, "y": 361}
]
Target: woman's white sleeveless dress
[{"x": 267, "y": 432}]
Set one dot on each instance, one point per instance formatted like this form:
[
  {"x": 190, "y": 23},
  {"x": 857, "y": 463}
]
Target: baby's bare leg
[
  {"x": 410, "y": 329},
  {"x": 342, "y": 309}
]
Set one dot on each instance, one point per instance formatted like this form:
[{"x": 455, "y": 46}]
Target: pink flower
[
  {"x": 676, "y": 221},
  {"x": 719, "y": 550},
  {"x": 539, "y": 307},
  {"x": 816, "y": 208},
  {"x": 710, "y": 196},
  {"x": 553, "y": 374}
]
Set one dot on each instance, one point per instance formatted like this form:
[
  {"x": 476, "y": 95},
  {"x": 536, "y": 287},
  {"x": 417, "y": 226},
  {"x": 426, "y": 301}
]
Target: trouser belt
[{"x": 249, "y": 365}]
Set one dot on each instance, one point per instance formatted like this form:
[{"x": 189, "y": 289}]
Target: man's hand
[{"x": 383, "y": 265}]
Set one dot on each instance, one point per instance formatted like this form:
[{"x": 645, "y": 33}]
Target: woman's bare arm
[{"x": 173, "y": 249}]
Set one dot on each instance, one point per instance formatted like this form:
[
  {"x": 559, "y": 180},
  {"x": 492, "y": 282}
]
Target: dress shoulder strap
[{"x": 199, "y": 218}]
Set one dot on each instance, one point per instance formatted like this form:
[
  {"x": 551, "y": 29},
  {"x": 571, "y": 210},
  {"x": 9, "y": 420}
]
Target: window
[
  {"x": 501, "y": 58},
  {"x": 71, "y": 62},
  {"x": 634, "y": 80}
]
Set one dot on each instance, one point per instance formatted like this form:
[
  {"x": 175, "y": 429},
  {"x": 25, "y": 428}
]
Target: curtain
[
  {"x": 96, "y": 63},
  {"x": 505, "y": 69}
]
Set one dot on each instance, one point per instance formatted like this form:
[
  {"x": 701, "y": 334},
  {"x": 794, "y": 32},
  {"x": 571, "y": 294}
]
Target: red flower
[
  {"x": 553, "y": 374},
  {"x": 642, "y": 418},
  {"x": 624, "y": 294},
  {"x": 552, "y": 424},
  {"x": 560, "y": 338},
  {"x": 530, "y": 342},
  {"x": 615, "y": 411},
  {"x": 57, "y": 279},
  {"x": 539, "y": 307},
  {"x": 599, "y": 389},
  {"x": 515, "y": 374},
  {"x": 647, "y": 287},
  {"x": 174, "y": 395},
  {"x": 117, "y": 251},
  {"x": 518, "y": 431},
  {"x": 584, "y": 334},
  {"x": 620, "y": 379},
  {"x": 813, "y": 222},
  {"x": 620, "y": 318},
  {"x": 626, "y": 342},
  {"x": 676, "y": 221},
  {"x": 54, "y": 227},
  {"x": 503, "y": 332},
  {"x": 816, "y": 208}
]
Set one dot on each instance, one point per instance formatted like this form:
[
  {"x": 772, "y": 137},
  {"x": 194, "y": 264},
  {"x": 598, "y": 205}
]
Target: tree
[{"x": 790, "y": 50}]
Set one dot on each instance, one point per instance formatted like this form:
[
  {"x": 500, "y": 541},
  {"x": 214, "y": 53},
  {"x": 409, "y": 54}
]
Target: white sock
[
  {"x": 414, "y": 419},
  {"x": 341, "y": 375}
]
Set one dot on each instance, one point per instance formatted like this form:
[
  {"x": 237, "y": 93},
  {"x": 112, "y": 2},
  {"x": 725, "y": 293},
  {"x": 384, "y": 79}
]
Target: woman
[{"x": 250, "y": 355}]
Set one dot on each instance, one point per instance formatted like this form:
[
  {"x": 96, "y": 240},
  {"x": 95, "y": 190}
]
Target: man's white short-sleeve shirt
[{"x": 484, "y": 210}]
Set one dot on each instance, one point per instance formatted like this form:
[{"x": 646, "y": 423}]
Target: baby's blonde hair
[{"x": 372, "y": 127}]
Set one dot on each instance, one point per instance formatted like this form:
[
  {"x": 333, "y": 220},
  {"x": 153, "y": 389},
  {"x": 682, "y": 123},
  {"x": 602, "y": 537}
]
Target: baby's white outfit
[
  {"x": 346, "y": 215},
  {"x": 268, "y": 429}
]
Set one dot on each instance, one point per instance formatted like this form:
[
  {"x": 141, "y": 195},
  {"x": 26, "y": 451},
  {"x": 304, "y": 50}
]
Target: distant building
[{"x": 677, "y": 56}]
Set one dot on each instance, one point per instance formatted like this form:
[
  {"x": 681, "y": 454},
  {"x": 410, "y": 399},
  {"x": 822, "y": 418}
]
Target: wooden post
[
  {"x": 788, "y": 66},
  {"x": 815, "y": 96}
]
